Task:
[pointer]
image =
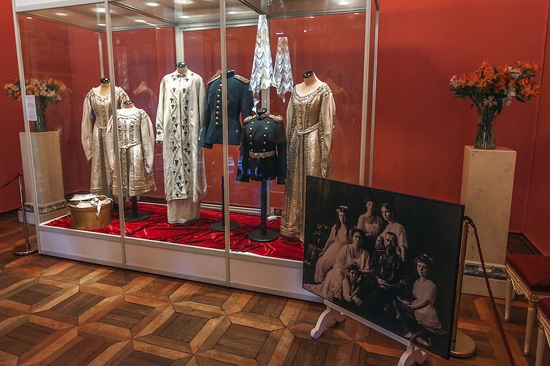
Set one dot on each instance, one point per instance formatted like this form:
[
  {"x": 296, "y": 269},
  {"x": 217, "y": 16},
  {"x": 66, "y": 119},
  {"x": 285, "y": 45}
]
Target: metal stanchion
[
  {"x": 462, "y": 345},
  {"x": 28, "y": 247}
]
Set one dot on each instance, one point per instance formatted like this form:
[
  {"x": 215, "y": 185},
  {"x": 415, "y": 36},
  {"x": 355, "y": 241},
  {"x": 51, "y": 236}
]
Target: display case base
[{"x": 42, "y": 217}]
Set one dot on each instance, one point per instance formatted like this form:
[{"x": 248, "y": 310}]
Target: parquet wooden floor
[{"x": 61, "y": 312}]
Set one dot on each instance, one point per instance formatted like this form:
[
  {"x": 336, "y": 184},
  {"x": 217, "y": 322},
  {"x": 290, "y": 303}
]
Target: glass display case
[{"x": 141, "y": 52}]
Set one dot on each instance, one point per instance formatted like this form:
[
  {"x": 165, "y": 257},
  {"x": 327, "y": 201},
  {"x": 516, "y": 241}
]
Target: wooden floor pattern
[{"x": 61, "y": 312}]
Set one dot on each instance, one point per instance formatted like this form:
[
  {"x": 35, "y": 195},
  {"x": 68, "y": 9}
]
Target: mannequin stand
[
  {"x": 220, "y": 225},
  {"x": 263, "y": 234},
  {"x": 135, "y": 215}
]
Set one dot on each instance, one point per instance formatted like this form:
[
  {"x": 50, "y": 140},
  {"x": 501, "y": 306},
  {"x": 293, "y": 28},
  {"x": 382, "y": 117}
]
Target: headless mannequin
[
  {"x": 310, "y": 83},
  {"x": 104, "y": 87},
  {"x": 181, "y": 68},
  {"x": 263, "y": 234},
  {"x": 128, "y": 107}
]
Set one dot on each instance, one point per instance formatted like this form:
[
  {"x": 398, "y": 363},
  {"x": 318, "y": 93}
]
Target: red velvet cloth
[
  {"x": 533, "y": 269},
  {"x": 199, "y": 234}
]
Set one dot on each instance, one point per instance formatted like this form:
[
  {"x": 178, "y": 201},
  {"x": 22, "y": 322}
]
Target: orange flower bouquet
[
  {"x": 490, "y": 88},
  {"x": 45, "y": 92}
]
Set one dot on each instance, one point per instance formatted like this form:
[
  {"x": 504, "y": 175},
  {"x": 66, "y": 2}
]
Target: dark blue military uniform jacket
[
  {"x": 263, "y": 149},
  {"x": 239, "y": 103}
]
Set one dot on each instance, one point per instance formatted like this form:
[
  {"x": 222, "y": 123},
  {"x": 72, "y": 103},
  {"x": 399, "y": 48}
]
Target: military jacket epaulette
[
  {"x": 214, "y": 78},
  {"x": 242, "y": 78},
  {"x": 276, "y": 118}
]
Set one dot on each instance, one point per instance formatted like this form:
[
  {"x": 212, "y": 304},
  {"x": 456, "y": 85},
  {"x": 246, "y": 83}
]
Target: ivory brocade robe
[
  {"x": 136, "y": 142},
  {"x": 310, "y": 120},
  {"x": 180, "y": 117},
  {"x": 95, "y": 117}
]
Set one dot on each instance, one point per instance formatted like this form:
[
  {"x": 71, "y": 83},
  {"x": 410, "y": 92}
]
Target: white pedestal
[
  {"x": 48, "y": 175},
  {"x": 487, "y": 184}
]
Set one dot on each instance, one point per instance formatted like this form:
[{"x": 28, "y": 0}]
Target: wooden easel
[
  {"x": 461, "y": 344},
  {"x": 413, "y": 355}
]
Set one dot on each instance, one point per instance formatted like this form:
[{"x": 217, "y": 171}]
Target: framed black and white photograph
[{"x": 387, "y": 257}]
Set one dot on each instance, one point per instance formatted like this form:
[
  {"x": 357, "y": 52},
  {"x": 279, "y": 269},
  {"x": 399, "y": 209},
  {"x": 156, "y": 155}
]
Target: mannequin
[
  {"x": 136, "y": 148},
  {"x": 263, "y": 158},
  {"x": 263, "y": 148},
  {"x": 310, "y": 121},
  {"x": 128, "y": 104},
  {"x": 104, "y": 87},
  {"x": 96, "y": 113},
  {"x": 182, "y": 68},
  {"x": 180, "y": 117},
  {"x": 239, "y": 106},
  {"x": 310, "y": 83}
]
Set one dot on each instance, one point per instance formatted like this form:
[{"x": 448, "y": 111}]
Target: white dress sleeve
[
  {"x": 160, "y": 112},
  {"x": 148, "y": 142},
  {"x": 86, "y": 132}
]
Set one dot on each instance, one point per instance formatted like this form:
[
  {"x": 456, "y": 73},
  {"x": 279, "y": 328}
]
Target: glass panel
[
  {"x": 338, "y": 62},
  {"x": 293, "y": 8},
  {"x": 191, "y": 13},
  {"x": 67, "y": 58},
  {"x": 203, "y": 55},
  {"x": 92, "y": 16},
  {"x": 333, "y": 47},
  {"x": 139, "y": 74}
]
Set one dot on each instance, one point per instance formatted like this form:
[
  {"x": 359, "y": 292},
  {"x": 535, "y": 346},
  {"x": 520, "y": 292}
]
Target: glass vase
[
  {"x": 40, "y": 124},
  {"x": 485, "y": 138}
]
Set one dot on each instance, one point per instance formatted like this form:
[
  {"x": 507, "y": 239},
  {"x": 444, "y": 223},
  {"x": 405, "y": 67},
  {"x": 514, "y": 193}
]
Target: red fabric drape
[{"x": 199, "y": 234}]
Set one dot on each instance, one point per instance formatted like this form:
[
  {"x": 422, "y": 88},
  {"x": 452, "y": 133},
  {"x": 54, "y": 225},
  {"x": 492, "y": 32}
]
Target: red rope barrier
[
  {"x": 470, "y": 222},
  {"x": 17, "y": 176}
]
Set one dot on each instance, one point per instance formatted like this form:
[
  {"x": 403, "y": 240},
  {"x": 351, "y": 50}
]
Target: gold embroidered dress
[
  {"x": 310, "y": 119},
  {"x": 95, "y": 117},
  {"x": 180, "y": 117},
  {"x": 137, "y": 145}
]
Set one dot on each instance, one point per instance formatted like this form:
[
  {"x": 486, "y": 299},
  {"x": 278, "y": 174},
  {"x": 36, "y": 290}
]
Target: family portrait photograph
[{"x": 387, "y": 257}]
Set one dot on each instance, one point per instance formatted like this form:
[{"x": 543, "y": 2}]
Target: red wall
[
  {"x": 421, "y": 129},
  {"x": 11, "y": 113}
]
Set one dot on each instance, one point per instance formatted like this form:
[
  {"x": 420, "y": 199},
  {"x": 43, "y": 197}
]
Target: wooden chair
[
  {"x": 528, "y": 274},
  {"x": 544, "y": 329}
]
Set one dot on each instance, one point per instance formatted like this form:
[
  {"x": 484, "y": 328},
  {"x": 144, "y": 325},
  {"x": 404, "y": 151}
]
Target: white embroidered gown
[
  {"x": 137, "y": 145},
  {"x": 180, "y": 117},
  {"x": 95, "y": 117},
  {"x": 310, "y": 120}
]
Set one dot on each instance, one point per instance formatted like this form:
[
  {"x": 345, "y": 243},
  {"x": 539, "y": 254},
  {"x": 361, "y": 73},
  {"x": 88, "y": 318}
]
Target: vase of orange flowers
[
  {"x": 490, "y": 88},
  {"x": 45, "y": 92}
]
